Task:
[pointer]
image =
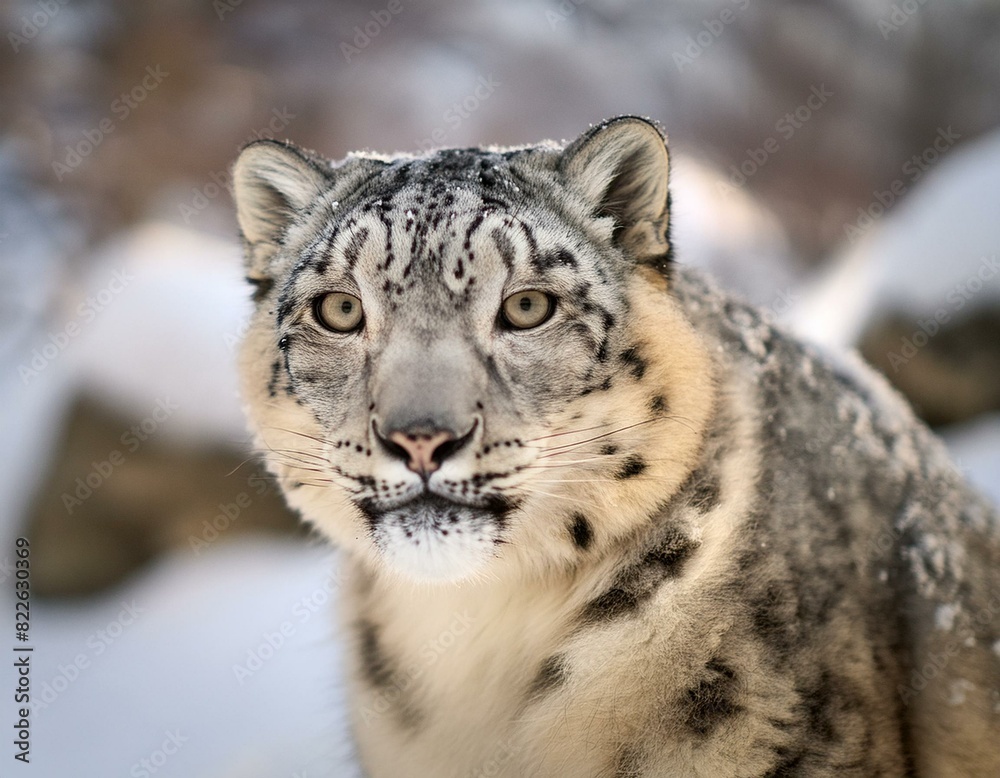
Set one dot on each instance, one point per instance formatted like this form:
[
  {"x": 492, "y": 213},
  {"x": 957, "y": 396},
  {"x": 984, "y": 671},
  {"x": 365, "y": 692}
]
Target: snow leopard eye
[
  {"x": 527, "y": 309},
  {"x": 338, "y": 311}
]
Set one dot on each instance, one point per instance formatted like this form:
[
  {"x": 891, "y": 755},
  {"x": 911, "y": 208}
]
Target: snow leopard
[{"x": 600, "y": 518}]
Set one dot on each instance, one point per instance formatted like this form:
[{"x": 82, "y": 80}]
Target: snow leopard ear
[
  {"x": 272, "y": 181},
  {"x": 621, "y": 167}
]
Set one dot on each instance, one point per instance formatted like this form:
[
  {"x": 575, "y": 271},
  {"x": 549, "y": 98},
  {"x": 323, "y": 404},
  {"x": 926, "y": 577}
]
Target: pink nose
[{"x": 421, "y": 449}]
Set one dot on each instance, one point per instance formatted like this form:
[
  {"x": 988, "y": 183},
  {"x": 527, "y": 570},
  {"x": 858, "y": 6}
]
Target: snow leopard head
[{"x": 468, "y": 361}]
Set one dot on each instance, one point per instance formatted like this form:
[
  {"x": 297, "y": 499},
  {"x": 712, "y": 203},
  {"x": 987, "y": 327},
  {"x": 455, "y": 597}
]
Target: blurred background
[{"x": 835, "y": 161}]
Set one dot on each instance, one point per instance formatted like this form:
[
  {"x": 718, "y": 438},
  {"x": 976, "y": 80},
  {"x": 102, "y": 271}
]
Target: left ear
[
  {"x": 272, "y": 183},
  {"x": 621, "y": 168}
]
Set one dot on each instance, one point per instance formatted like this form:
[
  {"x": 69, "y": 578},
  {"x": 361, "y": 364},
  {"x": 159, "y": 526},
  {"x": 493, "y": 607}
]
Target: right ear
[
  {"x": 272, "y": 182},
  {"x": 621, "y": 167}
]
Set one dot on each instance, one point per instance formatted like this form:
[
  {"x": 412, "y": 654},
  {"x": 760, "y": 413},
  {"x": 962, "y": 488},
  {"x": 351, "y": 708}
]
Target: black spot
[
  {"x": 713, "y": 699},
  {"x": 658, "y": 404},
  {"x": 261, "y": 287},
  {"x": 616, "y": 601},
  {"x": 706, "y": 489},
  {"x": 772, "y": 615},
  {"x": 285, "y": 307},
  {"x": 608, "y": 449},
  {"x": 668, "y": 558},
  {"x": 505, "y": 247},
  {"x": 272, "y": 384},
  {"x": 560, "y": 258},
  {"x": 628, "y": 762},
  {"x": 374, "y": 664},
  {"x": 818, "y": 701},
  {"x": 788, "y": 767},
  {"x": 551, "y": 674},
  {"x": 632, "y": 466},
  {"x": 581, "y": 531},
  {"x": 636, "y": 363},
  {"x": 637, "y": 582},
  {"x": 487, "y": 176}
]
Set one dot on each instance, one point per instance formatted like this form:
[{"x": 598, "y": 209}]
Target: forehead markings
[
  {"x": 313, "y": 256},
  {"x": 317, "y": 254},
  {"x": 350, "y": 237},
  {"x": 561, "y": 257},
  {"x": 355, "y": 244},
  {"x": 505, "y": 247},
  {"x": 383, "y": 208}
]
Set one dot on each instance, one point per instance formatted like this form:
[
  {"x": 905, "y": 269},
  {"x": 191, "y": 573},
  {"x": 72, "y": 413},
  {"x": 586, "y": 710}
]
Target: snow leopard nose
[{"x": 423, "y": 448}]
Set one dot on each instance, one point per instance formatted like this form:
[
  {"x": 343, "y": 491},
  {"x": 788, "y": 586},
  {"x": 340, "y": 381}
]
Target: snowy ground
[{"x": 217, "y": 666}]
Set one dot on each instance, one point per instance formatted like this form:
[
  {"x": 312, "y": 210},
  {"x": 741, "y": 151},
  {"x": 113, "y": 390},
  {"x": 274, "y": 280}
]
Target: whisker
[
  {"x": 553, "y": 496},
  {"x": 678, "y": 420},
  {"x": 289, "y": 457},
  {"x": 305, "y": 469},
  {"x": 250, "y": 458},
  {"x": 562, "y": 450},
  {"x": 581, "y": 462},
  {"x": 567, "y": 463},
  {"x": 568, "y": 432},
  {"x": 604, "y": 435},
  {"x": 302, "y": 434},
  {"x": 313, "y": 481},
  {"x": 574, "y": 481},
  {"x": 315, "y": 454}
]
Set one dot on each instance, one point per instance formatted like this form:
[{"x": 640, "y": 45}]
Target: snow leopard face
[{"x": 452, "y": 354}]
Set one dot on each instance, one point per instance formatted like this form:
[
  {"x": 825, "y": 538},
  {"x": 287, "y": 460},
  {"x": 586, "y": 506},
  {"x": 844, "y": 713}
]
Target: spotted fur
[{"x": 664, "y": 537}]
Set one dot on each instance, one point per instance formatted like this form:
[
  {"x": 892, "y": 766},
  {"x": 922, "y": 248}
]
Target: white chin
[{"x": 428, "y": 554}]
